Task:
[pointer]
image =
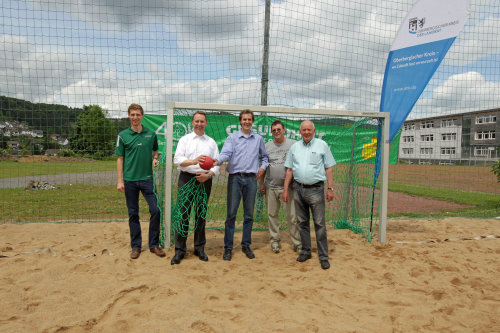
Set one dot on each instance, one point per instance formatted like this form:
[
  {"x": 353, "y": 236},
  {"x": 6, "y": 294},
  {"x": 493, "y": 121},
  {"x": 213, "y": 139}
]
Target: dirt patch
[
  {"x": 404, "y": 203},
  {"x": 396, "y": 202},
  {"x": 460, "y": 177}
]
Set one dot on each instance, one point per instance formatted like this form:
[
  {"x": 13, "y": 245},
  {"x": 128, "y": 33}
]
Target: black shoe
[
  {"x": 248, "y": 252},
  {"x": 201, "y": 254},
  {"x": 325, "y": 264},
  {"x": 176, "y": 260},
  {"x": 303, "y": 257},
  {"x": 227, "y": 254}
]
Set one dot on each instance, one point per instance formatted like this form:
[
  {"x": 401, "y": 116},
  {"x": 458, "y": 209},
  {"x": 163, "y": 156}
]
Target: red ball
[{"x": 208, "y": 163}]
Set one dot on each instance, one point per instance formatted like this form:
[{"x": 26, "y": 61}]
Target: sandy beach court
[{"x": 431, "y": 275}]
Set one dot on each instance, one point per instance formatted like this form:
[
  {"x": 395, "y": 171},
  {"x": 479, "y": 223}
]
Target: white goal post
[{"x": 276, "y": 111}]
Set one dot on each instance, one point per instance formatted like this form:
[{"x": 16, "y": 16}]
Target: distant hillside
[
  {"x": 120, "y": 124},
  {"x": 50, "y": 118}
]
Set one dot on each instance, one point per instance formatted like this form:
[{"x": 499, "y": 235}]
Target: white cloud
[
  {"x": 323, "y": 54},
  {"x": 460, "y": 93},
  {"x": 476, "y": 47}
]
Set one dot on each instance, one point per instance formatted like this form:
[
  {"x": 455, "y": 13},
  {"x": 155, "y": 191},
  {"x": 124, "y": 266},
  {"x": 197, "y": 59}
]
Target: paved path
[{"x": 91, "y": 178}]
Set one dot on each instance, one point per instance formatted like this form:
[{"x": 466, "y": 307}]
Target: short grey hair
[{"x": 307, "y": 120}]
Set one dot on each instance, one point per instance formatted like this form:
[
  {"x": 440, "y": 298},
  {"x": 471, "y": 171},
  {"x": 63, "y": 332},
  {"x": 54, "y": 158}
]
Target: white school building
[{"x": 467, "y": 138}]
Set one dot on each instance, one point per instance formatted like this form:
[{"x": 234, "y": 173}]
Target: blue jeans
[
  {"x": 240, "y": 186},
  {"x": 312, "y": 198},
  {"x": 132, "y": 189}
]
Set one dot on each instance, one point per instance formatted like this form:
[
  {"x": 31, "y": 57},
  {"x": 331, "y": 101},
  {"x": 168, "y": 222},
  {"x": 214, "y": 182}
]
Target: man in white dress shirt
[{"x": 189, "y": 155}]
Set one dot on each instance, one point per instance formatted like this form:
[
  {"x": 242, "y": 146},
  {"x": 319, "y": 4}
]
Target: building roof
[{"x": 454, "y": 115}]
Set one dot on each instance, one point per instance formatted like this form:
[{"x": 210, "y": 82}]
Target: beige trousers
[{"x": 274, "y": 201}]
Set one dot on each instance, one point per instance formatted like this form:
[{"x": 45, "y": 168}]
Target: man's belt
[
  {"x": 244, "y": 174},
  {"x": 318, "y": 184}
]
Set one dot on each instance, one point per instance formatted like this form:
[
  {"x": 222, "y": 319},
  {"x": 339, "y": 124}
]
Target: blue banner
[
  {"x": 422, "y": 41},
  {"x": 407, "y": 73}
]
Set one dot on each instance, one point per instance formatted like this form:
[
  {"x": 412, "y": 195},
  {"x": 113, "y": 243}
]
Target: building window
[
  {"x": 409, "y": 138},
  {"x": 426, "y": 151},
  {"x": 481, "y": 151},
  {"x": 448, "y": 151},
  {"x": 449, "y": 137},
  {"x": 489, "y": 119},
  {"x": 408, "y": 127},
  {"x": 427, "y": 137},
  {"x": 427, "y": 124},
  {"x": 485, "y": 135},
  {"x": 407, "y": 151},
  {"x": 449, "y": 122}
]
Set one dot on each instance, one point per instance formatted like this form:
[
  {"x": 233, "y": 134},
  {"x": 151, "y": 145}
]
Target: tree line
[
  {"x": 53, "y": 118},
  {"x": 89, "y": 132}
]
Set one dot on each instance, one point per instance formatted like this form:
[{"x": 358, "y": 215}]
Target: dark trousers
[
  {"x": 200, "y": 216},
  {"x": 312, "y": 199},
  {"x": 132, "y": 190}
]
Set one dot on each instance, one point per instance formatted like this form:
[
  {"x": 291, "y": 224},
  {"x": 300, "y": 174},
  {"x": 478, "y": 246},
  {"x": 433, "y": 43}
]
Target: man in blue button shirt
[
  {"x": 245, "y": 150},
  {"x": 309, "y": 162}
]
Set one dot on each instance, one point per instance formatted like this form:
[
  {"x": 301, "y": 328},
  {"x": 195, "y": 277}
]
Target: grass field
[
  {"x": 10, "y": 169},
  {"x": 479, "y": 204},
  {"x": 475, "y": 187},
  {"x": 66, "y": 203}
]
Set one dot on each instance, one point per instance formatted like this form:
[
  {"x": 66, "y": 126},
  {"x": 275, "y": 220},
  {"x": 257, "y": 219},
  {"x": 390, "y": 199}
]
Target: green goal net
[{"x": 352, "y": 140}]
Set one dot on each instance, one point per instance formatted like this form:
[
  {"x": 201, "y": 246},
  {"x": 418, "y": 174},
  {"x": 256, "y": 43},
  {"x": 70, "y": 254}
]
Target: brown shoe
[
  {"x": 135, "y": 253},
  {"x": 159, "y": 252}
]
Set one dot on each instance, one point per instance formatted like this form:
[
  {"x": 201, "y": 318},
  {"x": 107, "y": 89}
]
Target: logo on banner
[
  {"x": 370, "y": 149},
  {"x": 179, "y": 130},
  {"x": 415, "y": 24}
]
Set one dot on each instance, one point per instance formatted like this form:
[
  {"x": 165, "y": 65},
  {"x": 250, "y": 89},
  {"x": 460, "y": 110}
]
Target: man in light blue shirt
[
  {"x": 248, "y": 160},
  {"x": 309, "y": 162}
]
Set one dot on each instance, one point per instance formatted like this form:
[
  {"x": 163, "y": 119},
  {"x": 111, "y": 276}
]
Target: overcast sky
[{"x": 323, "y": 54}]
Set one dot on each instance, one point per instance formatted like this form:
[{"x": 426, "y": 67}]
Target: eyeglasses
[{"x": 276, "y": 130}]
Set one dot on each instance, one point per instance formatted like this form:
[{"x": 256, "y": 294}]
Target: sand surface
[{"x": 78, "y": 278}]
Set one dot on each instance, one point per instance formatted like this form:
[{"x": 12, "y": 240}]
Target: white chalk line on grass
[{"x": 447, "y": 240}]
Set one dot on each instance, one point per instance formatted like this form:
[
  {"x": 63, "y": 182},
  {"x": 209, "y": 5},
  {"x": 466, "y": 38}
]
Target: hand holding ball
[{"x": 207, "y": 163}]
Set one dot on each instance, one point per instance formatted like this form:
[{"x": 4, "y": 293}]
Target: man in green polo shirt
[
  {"x": 309, "y": 162},
  {"x": 137, "y": 151}
]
